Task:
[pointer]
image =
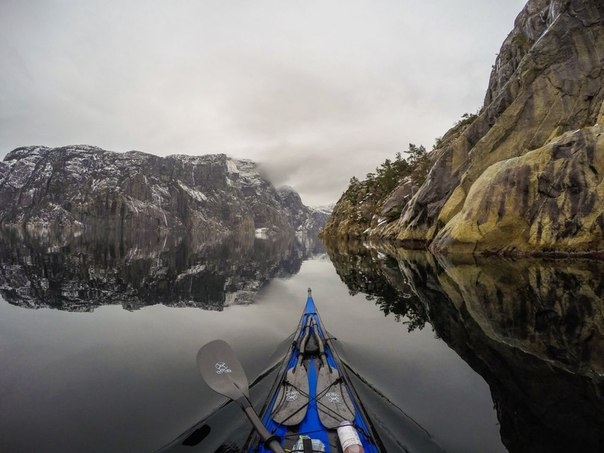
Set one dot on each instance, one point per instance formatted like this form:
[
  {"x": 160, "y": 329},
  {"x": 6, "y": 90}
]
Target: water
[{"x": 98, "y": 341}]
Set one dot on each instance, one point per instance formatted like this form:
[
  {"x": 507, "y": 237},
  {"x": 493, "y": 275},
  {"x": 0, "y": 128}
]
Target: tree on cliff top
[
  {"x": 358, "y": 204},
  {"x": 390, "y": 173}
]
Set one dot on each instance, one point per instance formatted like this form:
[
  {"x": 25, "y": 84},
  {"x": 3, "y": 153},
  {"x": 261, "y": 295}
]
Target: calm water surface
[{"x": 98, "y": 344}]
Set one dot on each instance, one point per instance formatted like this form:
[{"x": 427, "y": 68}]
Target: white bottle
[{"x": 349, "y": 438}]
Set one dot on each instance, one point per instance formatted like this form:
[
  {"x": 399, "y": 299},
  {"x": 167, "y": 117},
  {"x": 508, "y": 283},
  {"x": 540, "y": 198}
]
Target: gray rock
[{"x": 66, "y": 191}]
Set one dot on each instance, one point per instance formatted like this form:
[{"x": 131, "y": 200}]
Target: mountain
[
  {"x": 524, "y": 175},
  {"x": 70, "y": 190},
  {"x": 306, "y": 219}
]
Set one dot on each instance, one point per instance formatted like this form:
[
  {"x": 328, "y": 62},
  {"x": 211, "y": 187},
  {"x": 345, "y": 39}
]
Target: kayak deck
[{"x": 312, "y": 394}]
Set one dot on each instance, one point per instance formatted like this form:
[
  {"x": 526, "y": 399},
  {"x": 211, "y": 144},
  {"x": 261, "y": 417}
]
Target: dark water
[{"x": 98, "y": 340}]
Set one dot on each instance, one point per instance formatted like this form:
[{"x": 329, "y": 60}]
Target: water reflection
[
  {"x": 376, "y": 274},
  {"x": 533, "y": 329},
  {"x": 88, "y": 271}
]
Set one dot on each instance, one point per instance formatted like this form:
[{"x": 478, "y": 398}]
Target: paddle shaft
[
  {"x": 269, "y": 440},
  {"x": 302, "y": 344},
  {"x": 321, "y": 345}
]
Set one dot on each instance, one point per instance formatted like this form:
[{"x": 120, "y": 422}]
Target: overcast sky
[{"x": 317, "y": 91}]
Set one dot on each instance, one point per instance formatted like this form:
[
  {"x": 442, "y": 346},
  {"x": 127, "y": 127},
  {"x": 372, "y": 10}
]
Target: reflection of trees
[
  {"x": 86, "y": 272},
  {"x": 365, "y": 270},
  {"x": 533, "y": 329}
]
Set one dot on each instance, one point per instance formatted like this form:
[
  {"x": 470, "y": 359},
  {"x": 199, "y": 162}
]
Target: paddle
[
  {"x": 333, "y": 400},
  {"x": 292, "y": 398},
  {"x": 223, "y": 373}
]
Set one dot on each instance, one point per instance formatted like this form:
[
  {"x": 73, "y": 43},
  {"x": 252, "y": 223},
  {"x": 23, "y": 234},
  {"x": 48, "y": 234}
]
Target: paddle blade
[
  {"x": 292, "y": 398},
  {"x": 221, "y": 370},
  {"x": 334, "y": 403}
]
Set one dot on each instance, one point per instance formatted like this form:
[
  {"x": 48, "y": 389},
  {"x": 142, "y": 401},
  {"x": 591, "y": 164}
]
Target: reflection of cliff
[
  {"x": 84, "y": 273},
  {"x": 533, "y": 329},
  {"x": 375, "y": 274},
  {"x": 552, "y": 310}
]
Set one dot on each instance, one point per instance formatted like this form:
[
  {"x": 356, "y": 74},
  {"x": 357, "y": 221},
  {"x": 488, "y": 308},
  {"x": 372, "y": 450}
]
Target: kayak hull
[{"x": 312, "y": 394}]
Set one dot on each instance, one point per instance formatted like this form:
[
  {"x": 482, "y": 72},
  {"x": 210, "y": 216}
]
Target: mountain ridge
[{"x": 74, "y": 189}]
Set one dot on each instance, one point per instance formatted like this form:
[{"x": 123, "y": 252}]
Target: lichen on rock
[{"x": 550, "y": 199}]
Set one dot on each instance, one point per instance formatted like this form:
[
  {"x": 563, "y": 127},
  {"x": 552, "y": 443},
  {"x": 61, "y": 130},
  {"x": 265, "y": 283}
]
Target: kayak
[{"x": 313, "y": 404}]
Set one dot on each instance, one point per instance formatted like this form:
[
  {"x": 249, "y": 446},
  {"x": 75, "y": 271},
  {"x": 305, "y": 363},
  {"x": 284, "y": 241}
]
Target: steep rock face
[
  {"x": 366, "y": 206},
  {"x": 391, "y": 208},
  {"x": 76, "y": 188},
  {"x": 549, "y": 199},
  {"x": 547, "y": 82},
  {"x": 307, "y": 220},
  {"x": 351, "y": 216}
]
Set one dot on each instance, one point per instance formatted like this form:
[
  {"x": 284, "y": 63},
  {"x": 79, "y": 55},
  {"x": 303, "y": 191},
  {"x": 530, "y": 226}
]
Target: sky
[{"x": 315, "y": 91}]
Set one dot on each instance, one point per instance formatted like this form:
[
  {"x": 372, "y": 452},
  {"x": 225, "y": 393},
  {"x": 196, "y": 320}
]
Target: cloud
[{"x": 318, "y": 91}]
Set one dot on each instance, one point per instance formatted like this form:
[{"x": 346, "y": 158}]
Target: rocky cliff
[
  {"x": 526, "y": 174},
  {"x": 73, "y": 189}
]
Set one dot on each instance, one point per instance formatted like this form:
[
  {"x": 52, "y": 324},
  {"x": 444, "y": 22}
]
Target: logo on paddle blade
[
  {"x": 222, "y": 367},
  {"x": 291, "y": 395},
  {"x": 333, "y": 397}
]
